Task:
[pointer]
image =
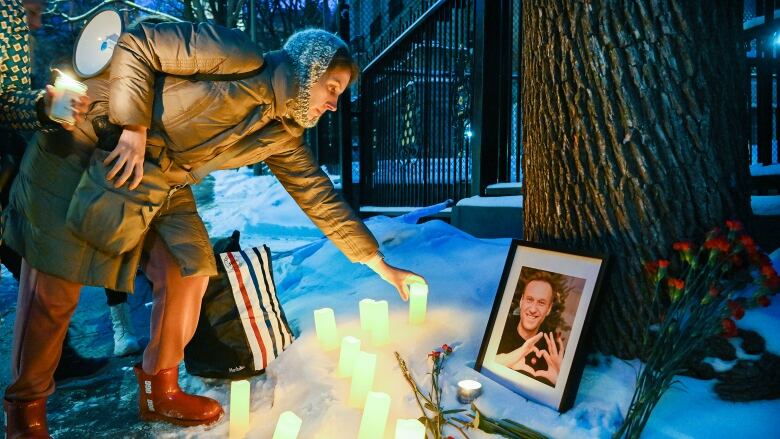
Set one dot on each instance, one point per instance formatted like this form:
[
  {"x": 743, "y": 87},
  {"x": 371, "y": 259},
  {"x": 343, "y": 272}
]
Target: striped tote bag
[{"x": 242, "y": 326}]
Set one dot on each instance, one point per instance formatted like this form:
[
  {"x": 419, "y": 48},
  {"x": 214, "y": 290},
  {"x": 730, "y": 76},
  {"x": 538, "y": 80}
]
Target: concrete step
[
  {"x": 504, "y": 189},
  {"x": 490, "y": 217}
]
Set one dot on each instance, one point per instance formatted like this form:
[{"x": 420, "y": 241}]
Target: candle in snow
[
  {"x": 365, "y": 313},
  {"x": 409, "y": 429},
  {"x": 362, "y": 378},
  {"x": 239, "y": 409},
  {"x": 418, "y": 303},
  {"x": 288, "y": 426},
  {"x": 374, "y": 421},
  {"x": 380, "y": 330},
  {"x": 350, "y": 347},
  {"x": 468, "y": 390},
  {"x": 325, "y": 325}
]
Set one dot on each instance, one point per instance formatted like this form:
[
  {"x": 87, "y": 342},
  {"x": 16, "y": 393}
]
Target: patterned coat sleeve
[{"x": 17, "y": 101}]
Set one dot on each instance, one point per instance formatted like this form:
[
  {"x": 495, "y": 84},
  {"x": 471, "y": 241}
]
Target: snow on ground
[
  {"x": 463, "y": 273},
  {"x": 259, "y": 207},
  {"x": 765, "y": 205},
  {"x": 760, "y": 170}
]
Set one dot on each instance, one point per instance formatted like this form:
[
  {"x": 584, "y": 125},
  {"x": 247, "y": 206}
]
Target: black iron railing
[
  {"x": 761, "y": 27},
  {"x": 416, "y": 100}
]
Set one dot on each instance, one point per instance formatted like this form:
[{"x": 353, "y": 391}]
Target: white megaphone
[{"x": 96, "y": 43}]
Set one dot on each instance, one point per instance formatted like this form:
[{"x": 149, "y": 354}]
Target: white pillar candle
[
  {"x": 365, "y": 313},
  {"x": 380, "y": 331},
  {"x": 374, "y": 421},
  {"x": 239, "y": 409},
  {"x": 409, "y": 429},
  {"x": 325, "y": 325},
  {"x": 350, "y": 347},
  {"x": 418, "y": 303},
  {"x": 362, "y": 378},
  {"x": 288, "y": 426}
]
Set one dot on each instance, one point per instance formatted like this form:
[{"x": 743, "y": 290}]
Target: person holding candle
[
  {"x": 527, "y": 345},
  {"x": 217, "y": 97}
]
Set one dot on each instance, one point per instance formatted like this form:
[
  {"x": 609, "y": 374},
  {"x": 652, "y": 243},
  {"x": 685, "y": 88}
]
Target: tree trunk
[{"x": 633, "y": 114}]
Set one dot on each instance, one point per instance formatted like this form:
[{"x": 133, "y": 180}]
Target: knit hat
[{"x": 311, "y": 51}]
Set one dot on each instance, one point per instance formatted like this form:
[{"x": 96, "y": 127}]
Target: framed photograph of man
[{"x": 542, "y": 309}]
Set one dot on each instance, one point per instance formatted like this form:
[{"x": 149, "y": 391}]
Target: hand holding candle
[
  {"x": 397, "y": 277},
  {"x": 66, "y": 93}
]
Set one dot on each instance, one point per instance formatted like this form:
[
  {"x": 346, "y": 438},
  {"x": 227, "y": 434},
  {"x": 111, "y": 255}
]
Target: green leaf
[{"x": 447, "y": 412}]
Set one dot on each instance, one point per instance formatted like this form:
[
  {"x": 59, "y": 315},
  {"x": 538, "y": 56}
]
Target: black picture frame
[{"x": 562, "y": 288}]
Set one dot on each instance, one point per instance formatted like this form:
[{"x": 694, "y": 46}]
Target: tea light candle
[
  {"x": 239, "y": 409},
  {"x": 380, "y": 331},
  {"x": 468, "y": 390},
  {"x": 288, "y": 426},
  {"x": 409, "y": 429},
  {"x": 372, "y": 425},
  {"x": 362, "y": 378},
  {"x": 418, "y": 303},
  {"x": 325, "y": 324},
  {"x": 350, "y": 348},
  {"x": 365, "y": 313}
]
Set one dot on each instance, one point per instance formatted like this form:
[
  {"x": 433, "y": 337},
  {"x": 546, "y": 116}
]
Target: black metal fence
[
  {"x": 763, "y": 63},
  {"x": 416, "y": 102},
  {"x": 761, "y": 25}
]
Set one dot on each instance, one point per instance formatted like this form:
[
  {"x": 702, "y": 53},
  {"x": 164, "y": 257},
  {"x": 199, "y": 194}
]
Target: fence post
[
  {"x": 764, "y": 87},
  {"x": 489, "y": 81},
  {"x": 345, "y": 116}
]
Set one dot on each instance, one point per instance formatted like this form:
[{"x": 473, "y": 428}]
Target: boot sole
[{"x": 156, "y": 417}]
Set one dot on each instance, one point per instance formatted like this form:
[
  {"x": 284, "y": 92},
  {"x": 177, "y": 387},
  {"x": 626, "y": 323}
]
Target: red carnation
[
  {"x": 768, "y": 271},
  {"x": 773, "y": 284},
  {"x": 675, "y": 288},
  {"x": 763, "y": 301},
  {"x": 729, "y": 328},
  {"x": 682, "y": 246},
  {"x": 446, "y": 348},
  {"x": 738, "y": 312},
  {"x": 734, "y": 225},
  {"x": 717, "y": 244},
  {"x": 748, "y": 242},
  {"x": 714, "y": 292},
  {"x": 675, "y": 283},
  {"x": 651, "y": 267}
]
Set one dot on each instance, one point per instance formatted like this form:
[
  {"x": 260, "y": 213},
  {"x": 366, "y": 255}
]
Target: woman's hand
[
  {"x": 397, "y": 277},
  {"x": 129, "y": 155},
  {"x": 79, "y": 106}
]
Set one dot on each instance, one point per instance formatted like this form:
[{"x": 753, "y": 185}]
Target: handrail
[{"x": 417, "y": 23}]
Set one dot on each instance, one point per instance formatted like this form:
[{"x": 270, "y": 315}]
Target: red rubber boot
[
  {"x": 161, "y": 399},
  {"x": 26, "y": 419}
]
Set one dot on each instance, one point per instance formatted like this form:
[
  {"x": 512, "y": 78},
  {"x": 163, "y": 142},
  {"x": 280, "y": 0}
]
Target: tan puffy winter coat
[{"x": 201, "y": 90}]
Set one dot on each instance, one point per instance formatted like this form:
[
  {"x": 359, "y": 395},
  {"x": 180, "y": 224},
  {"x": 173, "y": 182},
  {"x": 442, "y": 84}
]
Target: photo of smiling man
[{"x": 534, "y": 338}]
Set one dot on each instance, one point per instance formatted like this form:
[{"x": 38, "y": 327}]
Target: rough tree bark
[{"x": 633, "y": 114}]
